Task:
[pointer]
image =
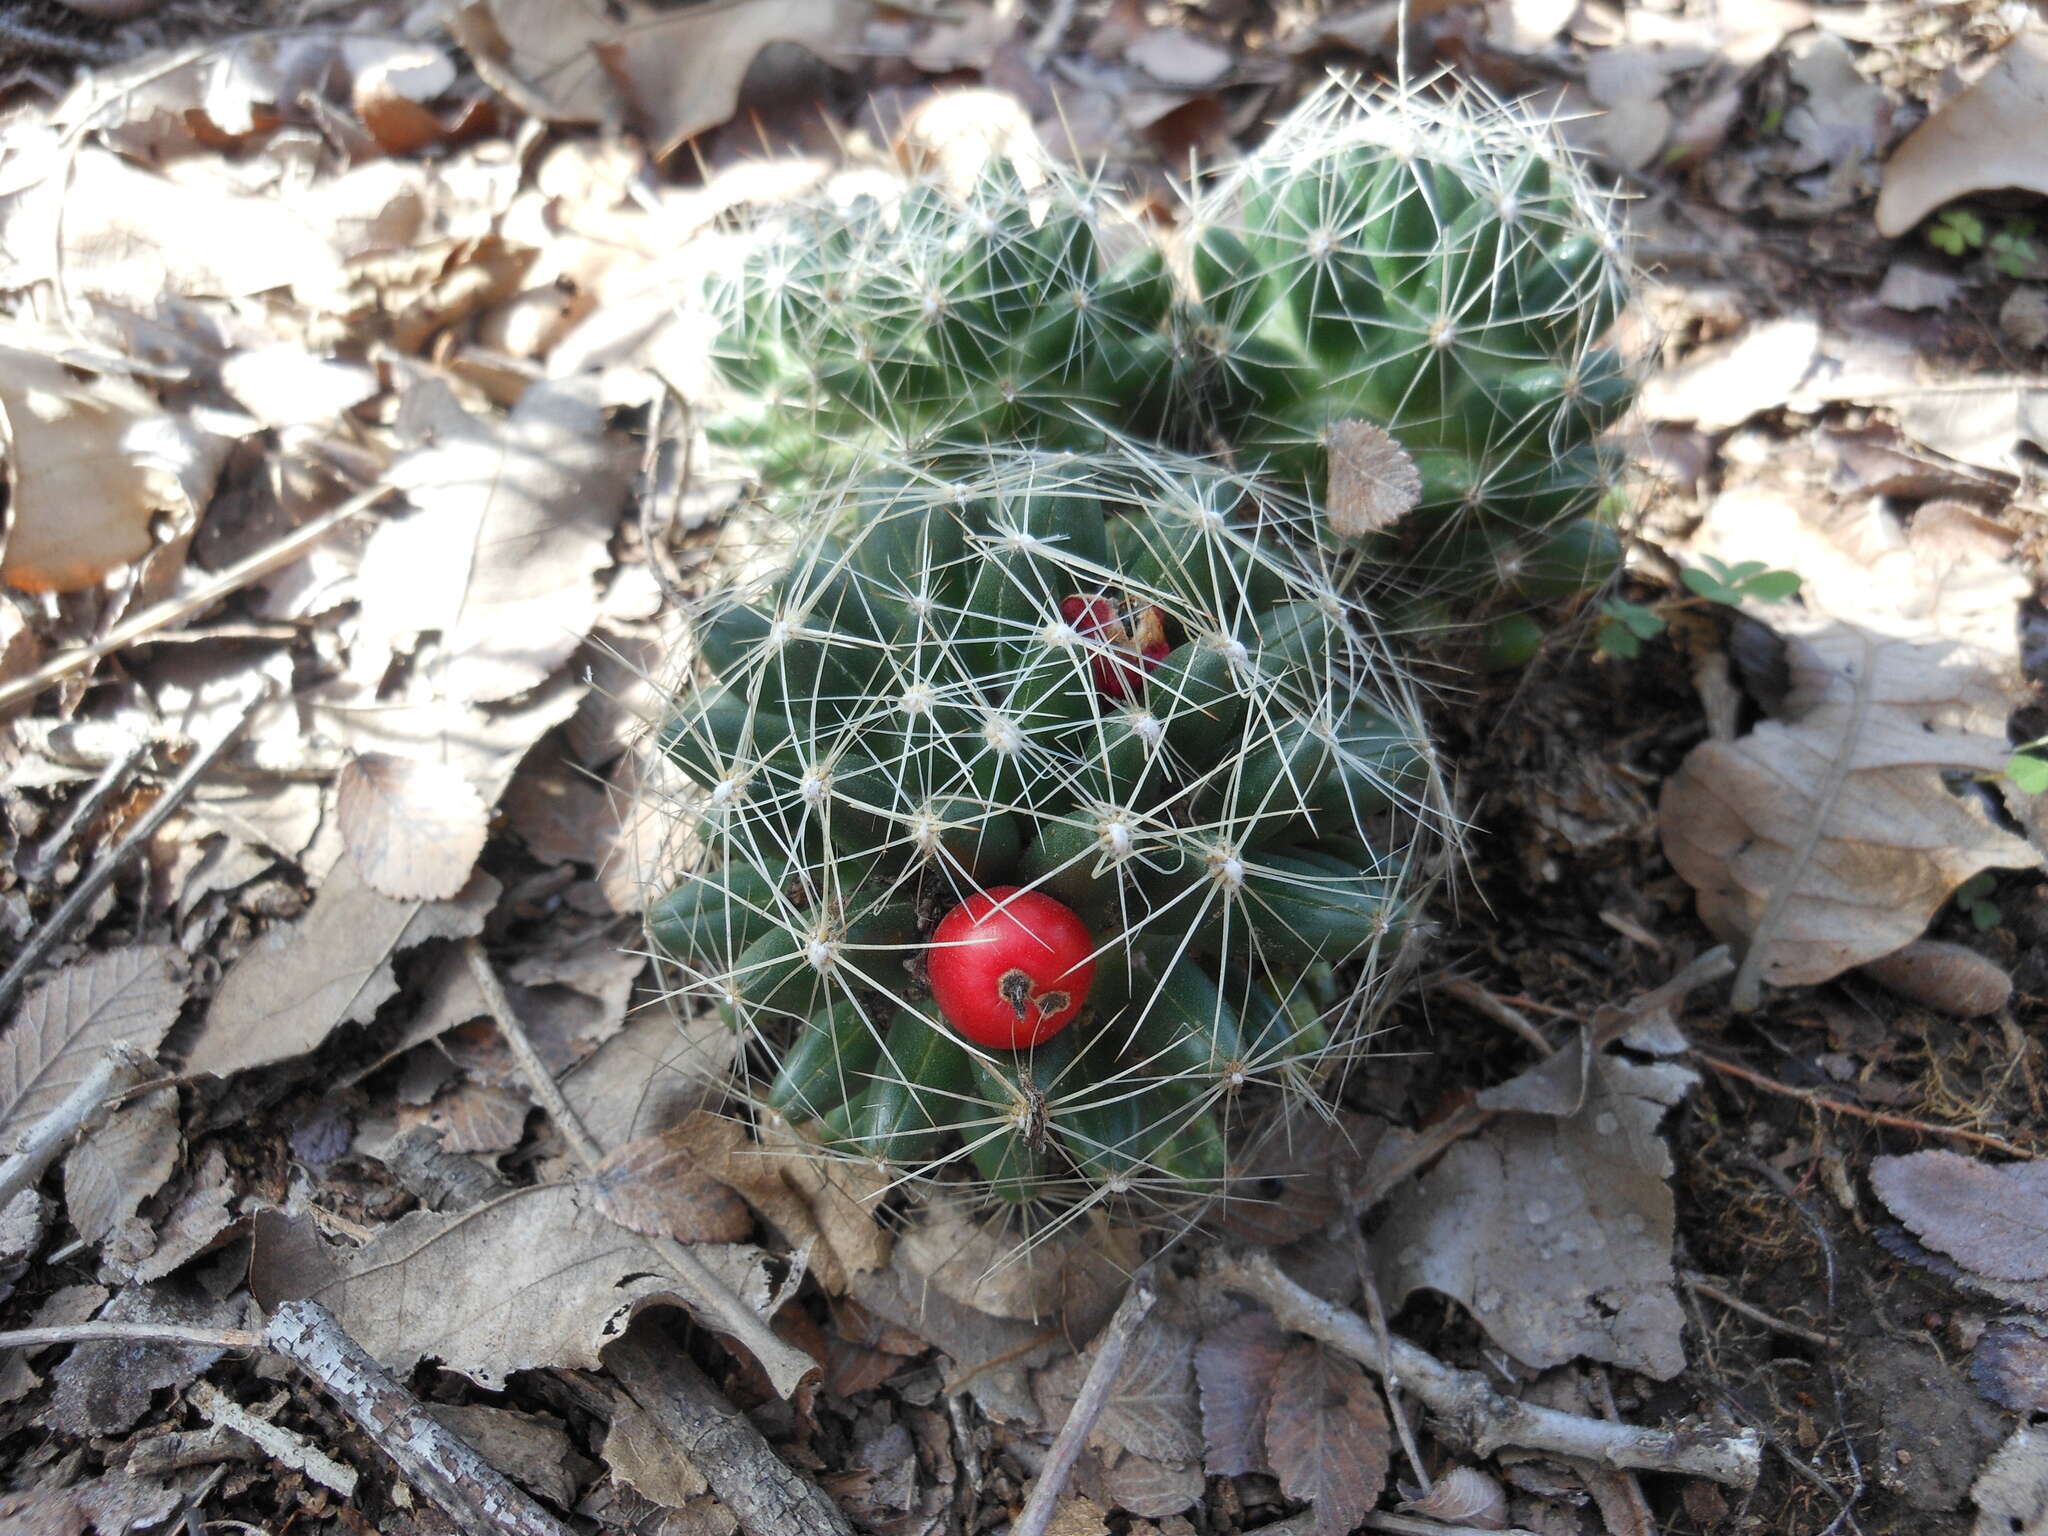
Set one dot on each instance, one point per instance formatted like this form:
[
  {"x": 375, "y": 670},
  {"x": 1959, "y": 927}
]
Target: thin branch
[
  {"x": 466, "y": 1488},
  {"x": 1858, "y": 1112},
  {"x": 276, "y": 1442},
  {"x": 1484, "y": 1418},
  {"x": 710, "y": 1301},
  {"x": 1043, "y": 1501},
  {"x": 175, "y": 609},
  {"x": 96, "y": 879},
  {"x": 117, "y": 1069},
  {"x": 1702, "y": 1286},
  {"x": 130, "y": 1333},
  {"x": 765, "y": 1494}
]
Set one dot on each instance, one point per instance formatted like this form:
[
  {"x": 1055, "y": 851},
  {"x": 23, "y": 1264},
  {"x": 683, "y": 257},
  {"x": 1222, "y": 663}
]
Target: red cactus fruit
[
  {"x": 1119, "y": 660},
  {"x": 1010, "y": 967}
]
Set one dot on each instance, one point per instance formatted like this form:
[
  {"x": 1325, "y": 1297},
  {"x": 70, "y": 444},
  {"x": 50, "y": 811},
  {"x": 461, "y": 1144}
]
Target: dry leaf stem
[
  {"x": 708, "y": 1298},
  {"x": 1484, "y": 1418},
  {"x": 176, "y": 609},
  {"x": 96, "y": 879},
  {"x": 1858, "y": 1112},
  {"x": 1043, "y": 1501},
  {"x": 117, "y": 1070},
  {"x": 765, "y": 1494}
]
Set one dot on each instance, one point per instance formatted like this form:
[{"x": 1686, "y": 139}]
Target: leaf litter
[{"x": 404, "y": 296}]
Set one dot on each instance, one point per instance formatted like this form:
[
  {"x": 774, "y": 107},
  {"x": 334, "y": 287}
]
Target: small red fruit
[
  {"x": 1010, "y": 967},
  {"x": 1118, "y": 660}
]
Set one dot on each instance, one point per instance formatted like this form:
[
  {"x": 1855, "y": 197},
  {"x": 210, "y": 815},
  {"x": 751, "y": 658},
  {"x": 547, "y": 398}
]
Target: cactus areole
[{"x": 1010, "y": 968}]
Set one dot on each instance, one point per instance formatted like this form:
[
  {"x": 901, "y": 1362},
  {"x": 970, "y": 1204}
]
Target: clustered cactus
[{"x": 1060, "y": 788}]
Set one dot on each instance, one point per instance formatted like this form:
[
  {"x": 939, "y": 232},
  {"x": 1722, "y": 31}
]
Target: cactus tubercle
[{"x": 1010, "y": 968}]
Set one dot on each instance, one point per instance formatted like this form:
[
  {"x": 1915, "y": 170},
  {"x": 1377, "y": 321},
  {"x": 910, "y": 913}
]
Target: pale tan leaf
[
  {"x": 650, "y": 1075},
  {"x": 1180, "y": 59},
  {"x": 122, "y": 1163},
  {"x": 1327, "y": 1436},
  {"x": 1830, "y": 837},
  {"x": 988, "y": 1265},
  {"x": 1948, "y": 978},
  {"x": 1152, "y": 1489},
  {"x": 1724, "y": 383},
  {"x": 304, "y": 979},
  {"x": 414, "y": 828},
  {"x": 655, "y": 1185},
  {"x": 1463, "y": 1496},
  {"x": 2011, "y": 1493},
  {"x": 1152, "y": 1408},
  {"x": 125, "y": 997},
  {"x": 537, "y": 1278},
  {"x": 195, "y": 1222},
  {"x": 644, "y": 1457},
  {"x": 286, "y": 386},
  {"x": 499, "y": 558},
  {"x": 1078, "y": 1517},
  {"x": 675, "y": 73},
  {"x": 473, "y": 1117},
  {"x": 1373, "y": 481},
  {"x": 831, "y": 1203},
  {"x": 92, "y": 463},
  {"x": 1991, "y": 1218},
  {"x": 1986, "y": 138},
  {"x": 1554, "y": 1231}
]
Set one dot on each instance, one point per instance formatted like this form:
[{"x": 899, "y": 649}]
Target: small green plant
[
  {"x": 2013, "y": 251},
  {"x": 1956, "y": 231},
  {"x": 1975, "y": 897},
  {"x": 1719, "y": 582},
  {"x": 1623, "y": 628},
  {"x": 2028, "y": 770}
]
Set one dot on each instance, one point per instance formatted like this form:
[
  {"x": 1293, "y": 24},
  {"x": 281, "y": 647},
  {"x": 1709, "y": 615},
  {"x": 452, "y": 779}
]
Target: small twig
[
  {"x": 765, "y": 1494},
  {"x": 130, "y": 1333},
  {"x": 710, "y": 1301},
  {"x": 467, "y": 1489},
  {"x": 1858, "y": 1112},
  {"x": 96, "y": 879},
  {"x": 1701, "y": 1285},
  {"x": 1481, "y": 1001},
  {"x": 37, "y": 864},
  {"x": 1631, "y": 1488},
  {"x": 186, "y": 604},
  {"x": 1376, "y": 1314},
  {"x": 1042, "y": 1503},
  {"x": 1484, "y": 1418},
  {"x": 276, "y": 1442},
  {"x": 117, "y": 1069}
]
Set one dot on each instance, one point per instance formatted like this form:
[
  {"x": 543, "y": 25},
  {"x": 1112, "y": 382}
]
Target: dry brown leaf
[
  {"x": 499, "y": 558},
  {"x": 532, "y": 1448},
  {"x": 91, "y": 464},
  {"x": 303, "y": 980},
  {"x": 676, "y": 73},
  {"x": 1990, "y": 1218},
  {"x": 643, "y": 1455},
  {"x": 655, "y": 1185},
  {"x": 1725, "y": 383},
  {"x": 2010, "y": 1364},
  {"x": 1373, "y": 481},
  {"x": 1078, "y": 1517},
  {"x": 1988, "y": 137},
  {"x": 1180, "y": 59},
  {"x": 1948, "y": 978},
  {"x": 536, "y": 1278},
  {"x": 195, "y": 1222},
  {"x": 1830, "y": 837},
  {"x": 103, "y": 1388},
  {"x": 1463, "y": 1496},
  {"x": 1155, "y": 1490},
  {"x": 472, "y": 1117},
  {"x": 650, "y": 1075},
  {"x": 1152, "y": 1408},
  {"x": 1555, "y": 1231},
  {"x": 1327, "y": 1436},
  {"x": 66, "y": 1304},
  {"x": 991, "y": 1356},
  {"x": 414, "y": 828},
  {"x": 809, "y": 1197},
  {"x": 989, "y": 1266},
  {"x": 1238, "y": 1366},
  {"x": 128, "y": 997},
  {"x": 115, "y": 1168}
]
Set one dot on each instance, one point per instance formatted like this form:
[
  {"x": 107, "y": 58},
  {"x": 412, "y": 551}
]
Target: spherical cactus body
[{"x": 1010, "y": 843}]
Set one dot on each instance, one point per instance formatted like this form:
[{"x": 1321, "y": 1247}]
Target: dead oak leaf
[
  {"x": 1990, "y": 1218},
  {"x": 1327, "y": 1436},
  {"x": 499, "y": 557},
  {"x": 414, "y": 828},
  {"x": 655, "y": 1185}
]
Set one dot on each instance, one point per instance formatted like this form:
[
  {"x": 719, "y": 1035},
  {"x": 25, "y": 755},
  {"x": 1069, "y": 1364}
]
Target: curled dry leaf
[
  {"x": 1237, "y": 1366},
  {"x": 1986, "y": 138},
  {"x": 1831, "y": 836},
  {"x": 654, "y": 1185},
  {"x": 414, "y": 828},
  {"x": 1464, "y": 1496},
  {"x": 1327, "y": 1436},
  {"x": 1948, "y": 978},
  {"x": 1990, "y": 1218},
  {"x": 91, "y": 463}
]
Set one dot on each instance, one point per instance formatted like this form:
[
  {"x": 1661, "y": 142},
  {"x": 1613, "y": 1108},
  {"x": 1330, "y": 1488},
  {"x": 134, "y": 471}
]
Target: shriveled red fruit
[
  {"x": 1118, "y": 660},
  {"x": 1010, "y": 967}
]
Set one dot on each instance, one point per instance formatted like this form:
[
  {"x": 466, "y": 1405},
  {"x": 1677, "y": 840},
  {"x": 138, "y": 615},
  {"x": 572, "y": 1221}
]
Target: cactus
[
  {"x": 1055, "y": 794},
  {"x": 1043, "y": 803},
  {"x": 1437, "y": 268}
]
